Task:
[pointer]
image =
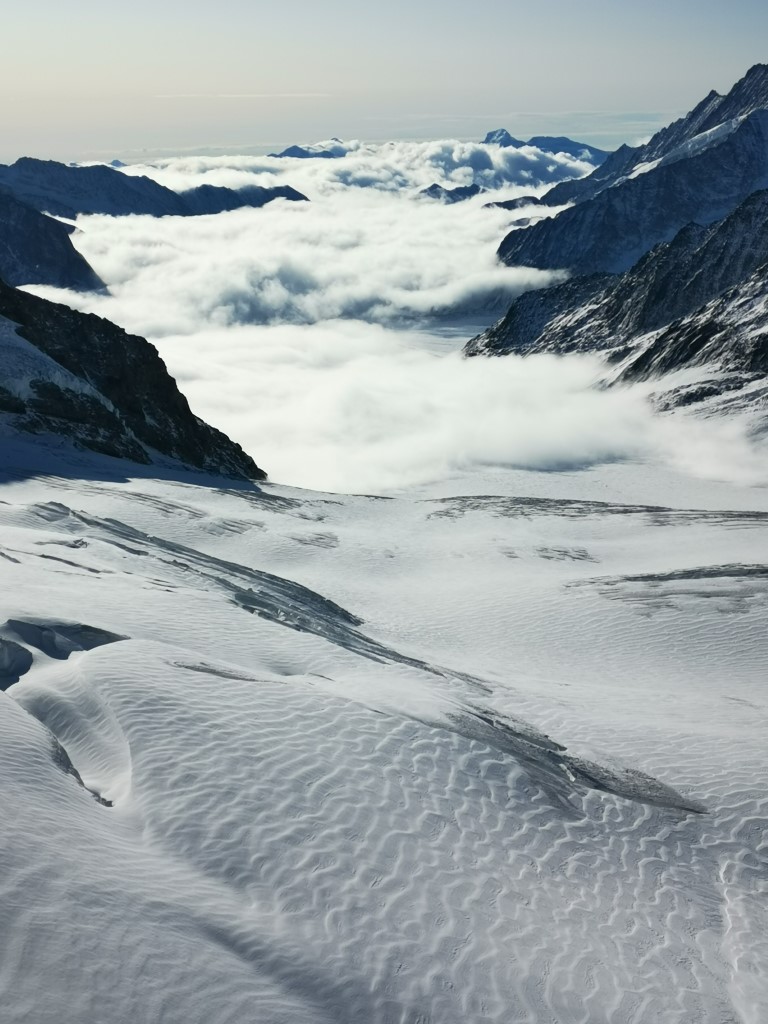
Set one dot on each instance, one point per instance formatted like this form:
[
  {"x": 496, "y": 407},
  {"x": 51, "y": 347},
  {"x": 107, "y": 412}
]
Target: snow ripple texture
[{"x": 210, "y": 817}]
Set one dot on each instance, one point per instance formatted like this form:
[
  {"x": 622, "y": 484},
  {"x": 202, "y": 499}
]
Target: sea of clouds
[
  {"x": 389, "y": 167},
  {"x": 353, "y": 253},
  {"x": 326, "y": 336}
]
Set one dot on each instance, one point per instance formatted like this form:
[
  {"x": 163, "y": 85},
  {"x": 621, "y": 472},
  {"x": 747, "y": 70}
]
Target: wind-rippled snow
[{"x": 313, "y": 782}]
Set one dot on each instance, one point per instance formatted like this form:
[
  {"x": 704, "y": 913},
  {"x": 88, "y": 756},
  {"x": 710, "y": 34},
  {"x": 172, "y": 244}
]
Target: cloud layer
[
  {"x": 351, "y": 406},
  {"x": 352, "y": 253},
  {"x": 390, "y": 167},
  {"x": 325, "y": 336}
]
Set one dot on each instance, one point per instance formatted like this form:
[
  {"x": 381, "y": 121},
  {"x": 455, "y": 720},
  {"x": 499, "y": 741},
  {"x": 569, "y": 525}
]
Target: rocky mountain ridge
[
  {"x": 333, "y": 149},
  {"x": 606, "y": 311},
  {"x": 748, "y": 95},
  {"x": 669, "y": 261},
  {"x": 452, "y": 195},
  {"x": 66, "y": 190},
  {"x": 612, "y": 230}
]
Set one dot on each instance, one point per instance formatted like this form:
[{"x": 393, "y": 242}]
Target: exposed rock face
[
  {"x": 701, "y": 299},
  {"x": 612, "y": 230},
  {"x": 514, "y": 204},
  {"x": 37, "y": 249},
  {"x": 452, "y": 195},
  {"x": 66, "y": 191},
  {"x": 610, "y": 311},
  {"x": 82, "y": 377},
  {"x": 729, "y": 333}
]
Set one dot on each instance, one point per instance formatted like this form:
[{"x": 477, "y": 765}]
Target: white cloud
[{"x": 352, "y": 406}]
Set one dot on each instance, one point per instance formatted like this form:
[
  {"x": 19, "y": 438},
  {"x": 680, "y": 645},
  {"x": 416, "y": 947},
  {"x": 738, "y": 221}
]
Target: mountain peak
[
  {"x": 757, "y": 71},
  {"x": 724, "y": 112},
  {"x": 501, "y": 137},
  {"x": 746, "y": 96}
]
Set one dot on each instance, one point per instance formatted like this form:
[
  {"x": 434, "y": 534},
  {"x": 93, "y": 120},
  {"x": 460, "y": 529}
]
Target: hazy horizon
[
  {"x": 607, "y": 130},
  {"x": 85, "y": 82}
]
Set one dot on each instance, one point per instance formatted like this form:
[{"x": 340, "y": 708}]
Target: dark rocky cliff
[
  {"x": 674, "y": 279},
  {"x": 701, "y": 299},
  {"x": 452, "y": 195},
  {"x": 83, "y": 378},
  {"x": 35, "y": 249}
]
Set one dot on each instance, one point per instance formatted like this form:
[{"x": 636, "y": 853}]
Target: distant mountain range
[
  {"x": 80, "y": 377},
  {"x": 333, "y": 149},
  {"x": 36, "y": 249},
  {"x": 550, "y": 144},
  {"x": 668, "y": 247},
  {"x": 66, "y": 190}
]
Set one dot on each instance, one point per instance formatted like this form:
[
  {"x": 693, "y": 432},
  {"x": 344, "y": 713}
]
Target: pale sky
[{"x": 93, "y": 77}]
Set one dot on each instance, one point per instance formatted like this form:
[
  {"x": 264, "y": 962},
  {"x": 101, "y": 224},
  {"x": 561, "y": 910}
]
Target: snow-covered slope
[
  {"x": 283, "y": 756},
  {"x": 702, "y": 126},
  {"x": 482, "y": 751},
  {"x": 612, "y": 230}
]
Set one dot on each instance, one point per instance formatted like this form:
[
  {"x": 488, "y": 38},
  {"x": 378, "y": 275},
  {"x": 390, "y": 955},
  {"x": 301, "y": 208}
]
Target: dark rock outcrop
[
  {"x": 452, "y": 195},
  {"x": 37, "y": 249},
  {"x": 514, "y": 204},
  {"x": 729, "y": 334},
  {"x": 82, "y": 377},
  {"x": 207, "y": 199},
  {"x": 67, "y": 190},
  {"x": 607, "y": 311},
  {"x": 699, "y": 300}
]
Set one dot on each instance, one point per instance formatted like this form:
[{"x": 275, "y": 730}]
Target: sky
[{"x": 93, "y": 78}]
